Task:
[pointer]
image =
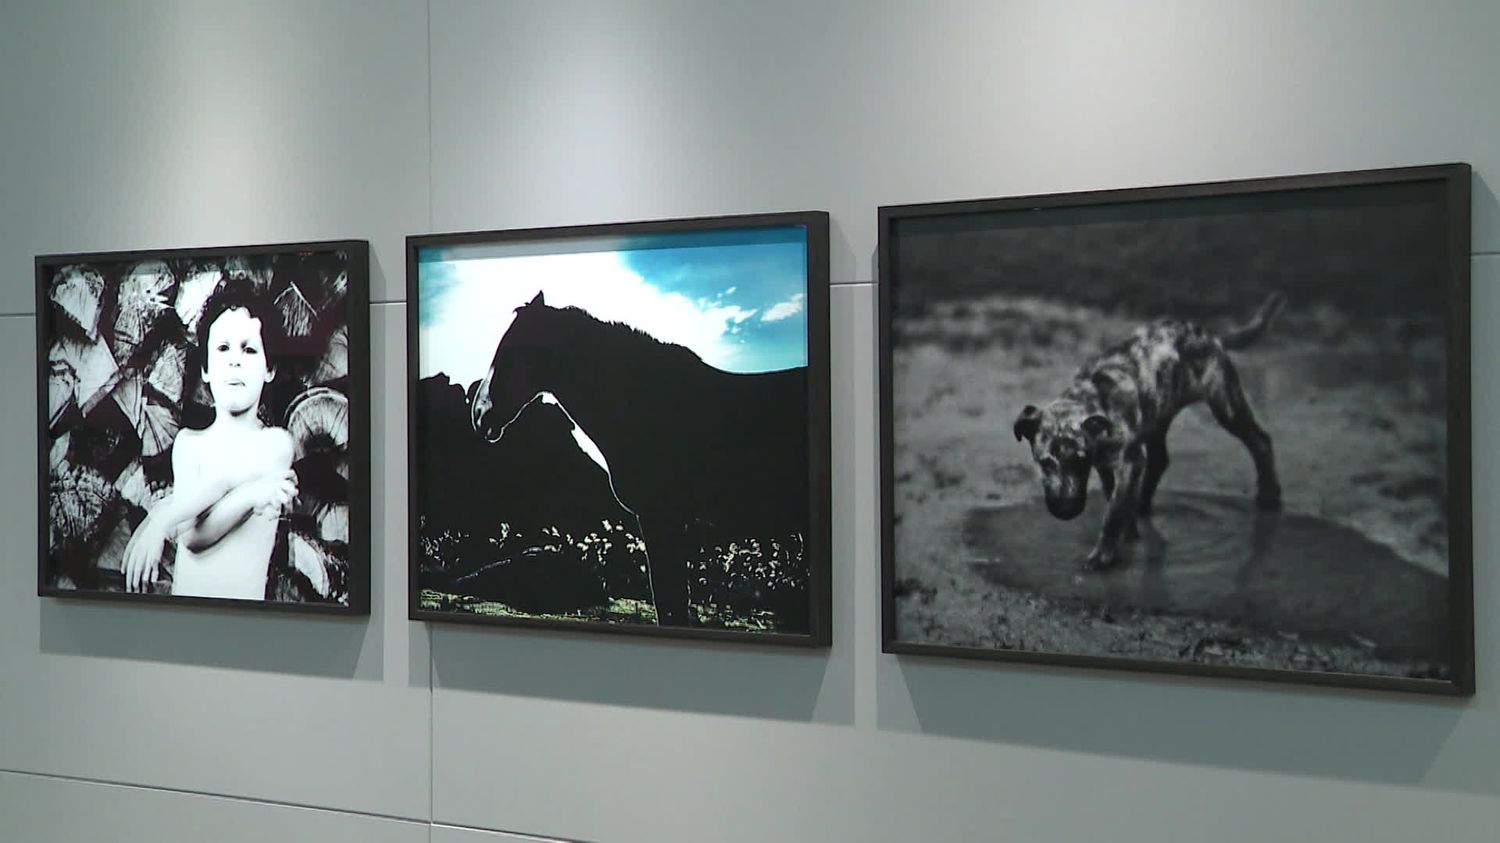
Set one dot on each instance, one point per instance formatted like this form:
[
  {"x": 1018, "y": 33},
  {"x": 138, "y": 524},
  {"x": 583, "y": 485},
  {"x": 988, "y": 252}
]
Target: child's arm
[
  {"x": 195, "y": 499},
  {"x": 267, "y": 493},
  {"x": 180, "y": 508},
  {"x": 189, "y": 497}
]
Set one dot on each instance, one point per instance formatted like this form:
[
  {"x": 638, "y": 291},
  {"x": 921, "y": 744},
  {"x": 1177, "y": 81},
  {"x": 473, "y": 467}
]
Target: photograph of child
[
  {"x": 233, "y": 479},
  {"x": 198, "y": 425}
]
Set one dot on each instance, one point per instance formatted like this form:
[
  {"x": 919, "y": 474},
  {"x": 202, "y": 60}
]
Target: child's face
[{"x": 236, "y": 368}]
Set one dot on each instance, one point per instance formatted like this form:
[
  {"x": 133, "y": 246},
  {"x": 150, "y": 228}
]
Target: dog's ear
[
  {"x": 1097, "y": 427},
  {"x": 537, "y": 299},
  {"x": 1027, "y": 424}
]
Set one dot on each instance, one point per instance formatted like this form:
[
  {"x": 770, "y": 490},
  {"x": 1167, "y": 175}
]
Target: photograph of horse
[
  {"x": 701, "y": 457},
  {"x": 635, "y": 447}
]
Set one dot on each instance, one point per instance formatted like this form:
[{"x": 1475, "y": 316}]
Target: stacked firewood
[{"x": 124, "y": 375}]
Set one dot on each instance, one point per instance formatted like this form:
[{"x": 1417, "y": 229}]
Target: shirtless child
[{"x": 231, "y": 480}]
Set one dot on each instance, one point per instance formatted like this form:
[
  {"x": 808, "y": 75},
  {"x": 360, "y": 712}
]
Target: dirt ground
[{"x": 1354, "y": 407}]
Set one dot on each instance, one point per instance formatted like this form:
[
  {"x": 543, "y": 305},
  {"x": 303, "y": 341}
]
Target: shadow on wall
[
  {"x": 348, "y": 648},
  {"x": 1486, "y": 208},
  {"x": 736, "y": 680},
  {"x": 1380, "y": 737}
]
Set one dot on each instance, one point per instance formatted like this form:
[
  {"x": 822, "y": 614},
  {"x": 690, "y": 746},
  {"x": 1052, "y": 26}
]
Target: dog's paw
[{"x": 1099, "y": 560}]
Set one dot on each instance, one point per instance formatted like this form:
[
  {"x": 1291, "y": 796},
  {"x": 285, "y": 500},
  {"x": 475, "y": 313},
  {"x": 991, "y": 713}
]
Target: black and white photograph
[
  {"x": 1216, "y": 429},
  {"x": 203, "y": 425},
  {"x": 623, "y": 428}
]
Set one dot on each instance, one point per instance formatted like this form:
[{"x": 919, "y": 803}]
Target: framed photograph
[
  {"x": 1212, "y": 429},
  {"x": 623, "y": 428},
  {"x": 203, "y": 426}
]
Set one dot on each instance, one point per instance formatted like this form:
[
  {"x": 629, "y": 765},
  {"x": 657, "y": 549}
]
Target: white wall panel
[
  {"x": 593, "y": 110},
  {"x": 137, "y": 124},
  {"x": 145, "y": 124},
  {"x": 332, "y": 712},
  {"x": 568, "y": 113},
  {"x": 46, "y": 810}
]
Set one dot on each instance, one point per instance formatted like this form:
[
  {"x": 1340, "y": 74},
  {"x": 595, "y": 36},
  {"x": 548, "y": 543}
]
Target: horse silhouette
[
  {"x": 700, "y": 456},
  {"x": 542, "y": 481}
]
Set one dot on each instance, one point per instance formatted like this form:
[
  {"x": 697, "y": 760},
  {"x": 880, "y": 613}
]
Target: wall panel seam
[
  {"x": 249, "y": 800},
  {"x": 431, "y": 202},
  {"x": 431, "y": 733},
  {"x": 519, "y": 835}
]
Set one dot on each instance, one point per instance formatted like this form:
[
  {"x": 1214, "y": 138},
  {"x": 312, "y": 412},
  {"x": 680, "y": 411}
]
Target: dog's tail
[{"x": 1243, "y": 335}]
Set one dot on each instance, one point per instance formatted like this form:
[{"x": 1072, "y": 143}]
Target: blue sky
[{"x": 735, "y": 297}]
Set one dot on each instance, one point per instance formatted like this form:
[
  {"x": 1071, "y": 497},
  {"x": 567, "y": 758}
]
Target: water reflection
[{"x": 1218, "y": 557}]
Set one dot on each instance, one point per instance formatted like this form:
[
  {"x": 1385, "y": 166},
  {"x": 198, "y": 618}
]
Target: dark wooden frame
[
  {"x": 819, "y": 538},
  {"x": 1455, "y": 180},
  {"x": 358, "y": 304}
]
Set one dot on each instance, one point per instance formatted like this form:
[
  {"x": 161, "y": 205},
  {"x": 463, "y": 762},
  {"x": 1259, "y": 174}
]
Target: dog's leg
[
  {"x": 1232, "y": 411},
  {"x": 1106, "y": 479},
  {"x": 1156, "y": 465},
  {"x": 1119, "y": 518}
]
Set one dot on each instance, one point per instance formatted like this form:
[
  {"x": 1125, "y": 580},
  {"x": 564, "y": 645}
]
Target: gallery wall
[{"x": 147, "y": 123}]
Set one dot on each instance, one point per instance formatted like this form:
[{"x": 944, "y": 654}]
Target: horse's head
[{"x": 520, "y": 371}]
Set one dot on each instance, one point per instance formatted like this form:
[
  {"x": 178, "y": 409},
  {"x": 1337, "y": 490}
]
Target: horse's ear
[{"x": 537, "y": 299}]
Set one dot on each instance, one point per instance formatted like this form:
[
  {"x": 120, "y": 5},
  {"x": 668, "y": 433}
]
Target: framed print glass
[
  {"x": 1216, "y": 429},
  {"x": 203, "y": 426},
  {"x": 623, "y": 427}
]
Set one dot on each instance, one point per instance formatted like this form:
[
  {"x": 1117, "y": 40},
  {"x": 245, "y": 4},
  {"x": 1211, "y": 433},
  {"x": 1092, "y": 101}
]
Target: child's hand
[
  {"x": 272, "y": 493},
  {"x": 143, "y": 555}
]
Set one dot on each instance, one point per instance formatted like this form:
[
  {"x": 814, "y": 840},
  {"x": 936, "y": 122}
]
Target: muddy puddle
[{"x": 1216, "y": 557}]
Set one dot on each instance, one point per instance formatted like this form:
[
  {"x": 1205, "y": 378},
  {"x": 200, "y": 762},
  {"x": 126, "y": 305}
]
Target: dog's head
[{"x": 1067, "y": 441}]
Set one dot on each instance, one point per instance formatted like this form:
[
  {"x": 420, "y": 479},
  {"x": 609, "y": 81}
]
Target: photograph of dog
[
  {"x": 1113, "y": 420},
  {"x": 1284, "y": 352}
]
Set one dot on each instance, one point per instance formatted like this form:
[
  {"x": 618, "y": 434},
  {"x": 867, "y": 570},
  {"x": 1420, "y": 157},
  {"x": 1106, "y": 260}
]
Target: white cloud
[
  {"x": 785, "y": 309},
  {"x": 461, "y": 334}
]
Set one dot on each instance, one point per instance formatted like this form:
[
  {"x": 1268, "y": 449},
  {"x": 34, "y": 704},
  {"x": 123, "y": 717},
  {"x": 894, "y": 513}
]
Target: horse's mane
[{"x": 618, "y": 335}]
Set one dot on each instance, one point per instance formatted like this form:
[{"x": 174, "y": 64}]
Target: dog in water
[{"x": 1113, "y": 420}]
